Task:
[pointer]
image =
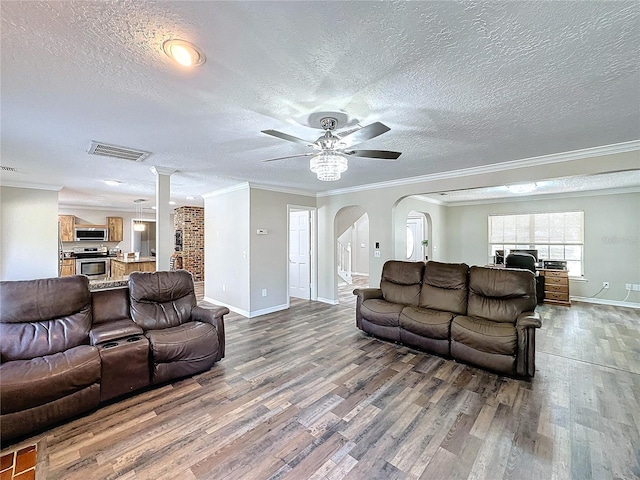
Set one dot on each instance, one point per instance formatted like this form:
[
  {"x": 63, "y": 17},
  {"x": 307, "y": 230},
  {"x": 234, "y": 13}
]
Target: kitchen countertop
[
  {"x": 133, "y": 260},
  {"x": 108, "y": 283}
]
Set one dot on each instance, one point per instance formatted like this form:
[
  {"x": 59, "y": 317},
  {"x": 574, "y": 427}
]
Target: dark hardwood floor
[{"x": 303, "y": 394}]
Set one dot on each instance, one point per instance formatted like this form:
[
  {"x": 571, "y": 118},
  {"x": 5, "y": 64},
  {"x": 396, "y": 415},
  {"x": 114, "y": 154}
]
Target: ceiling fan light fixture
[
  {"x": 328, "y": 166},
  {"x": 184, "y": 53}
]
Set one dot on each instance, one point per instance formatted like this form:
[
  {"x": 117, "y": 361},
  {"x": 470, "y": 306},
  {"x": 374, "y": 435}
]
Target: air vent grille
[
  {"x": 8, "y": 169},
  {"x": 117, "y": 151}
]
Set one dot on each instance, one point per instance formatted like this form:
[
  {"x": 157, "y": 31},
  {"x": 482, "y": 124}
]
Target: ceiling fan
[{"x": 329, "y": 160}]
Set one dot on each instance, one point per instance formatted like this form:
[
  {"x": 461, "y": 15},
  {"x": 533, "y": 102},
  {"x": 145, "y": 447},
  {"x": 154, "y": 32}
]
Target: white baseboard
[
  {"x": 245, "y": 313},
  {"x": 330, "y": 301},
  {"x": 234, "y": 309},
  {"x": 264, "y": 311},
  {"x": 602, "y": 301}
]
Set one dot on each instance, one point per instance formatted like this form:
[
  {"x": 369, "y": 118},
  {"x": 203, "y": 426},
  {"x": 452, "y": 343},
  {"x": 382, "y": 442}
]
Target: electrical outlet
[
  {"x": 605, "y": 284},
  {"x": 376, "y": 253},
  {"x": 264, "y": 292},
  {"x": 636, "y": 287},
  {"x": 627, "y": 286}
]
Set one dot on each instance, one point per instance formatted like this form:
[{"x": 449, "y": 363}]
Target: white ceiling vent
[{"x": 117, "y": 151}]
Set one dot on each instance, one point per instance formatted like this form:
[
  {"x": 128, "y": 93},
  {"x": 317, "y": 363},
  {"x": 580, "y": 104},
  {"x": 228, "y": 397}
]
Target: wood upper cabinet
[
  {"x": 115, "y": 228},
  {"x": 66, "y": 223}
]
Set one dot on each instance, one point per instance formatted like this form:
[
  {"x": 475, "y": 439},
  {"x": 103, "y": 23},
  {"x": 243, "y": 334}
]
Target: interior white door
[
  {"x": 299, "y": 254},
  {"x": 415, "y": 236}
]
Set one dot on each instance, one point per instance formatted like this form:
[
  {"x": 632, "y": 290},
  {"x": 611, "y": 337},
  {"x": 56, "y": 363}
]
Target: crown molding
[
  {"x": 545, "y": 196},
  {"x": 224, "y": 191},
  {"x": 162, "y": 170},
  {"x": 290, "y": 191},
  {"x": 496, "y": 167},
  {"x": 34, "y": 186}
]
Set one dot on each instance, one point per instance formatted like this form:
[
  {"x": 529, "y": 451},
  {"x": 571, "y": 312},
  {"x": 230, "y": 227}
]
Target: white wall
[
  {"x": 611, "y": 237},
  {"x": 226, "y": 244},
  {"x": 28, "y": 233}
]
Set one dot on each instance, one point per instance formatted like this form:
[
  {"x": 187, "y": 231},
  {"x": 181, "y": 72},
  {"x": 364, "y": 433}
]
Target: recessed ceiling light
[
  {"x": 183, "y": 52},
  {"x": 113, "y": 183},
  {"x": 522, "y": 187},
  {"x": 191, "y": 198},
  {"x": 172, "y": 202}
]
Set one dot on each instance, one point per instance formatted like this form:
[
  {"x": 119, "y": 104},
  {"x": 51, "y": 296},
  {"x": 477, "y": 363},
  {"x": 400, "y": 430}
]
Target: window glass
[{"x": 556, "y": 236}]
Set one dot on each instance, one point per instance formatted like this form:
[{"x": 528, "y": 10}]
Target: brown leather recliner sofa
[
  {"x": 481, "y": 316},
  {"x": 64, "y": 350}
]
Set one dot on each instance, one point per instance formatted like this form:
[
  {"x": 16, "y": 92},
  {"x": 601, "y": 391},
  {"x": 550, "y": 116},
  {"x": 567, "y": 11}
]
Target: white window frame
[{"x": 527, "y": 237}]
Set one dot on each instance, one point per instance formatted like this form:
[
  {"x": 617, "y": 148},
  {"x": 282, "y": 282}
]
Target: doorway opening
[
  {"x": 352, "y": 252},
  {"x": 144, "y": 241}
]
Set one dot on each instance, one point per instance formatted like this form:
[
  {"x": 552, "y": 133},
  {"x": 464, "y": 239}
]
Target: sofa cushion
[
  {"x": 401, "y": 281},
  {"x": 500, "y": 294},
  {"x": 426, "y": 322},
  {"x": 161, "y": 299},
  {"x": 444, "y": 287},
  {"x": 485, "y": 335},
  {"x": 381, "y": 312},
  {"x": 30, "y": 383},
  {"x": 44, "y": 316}
]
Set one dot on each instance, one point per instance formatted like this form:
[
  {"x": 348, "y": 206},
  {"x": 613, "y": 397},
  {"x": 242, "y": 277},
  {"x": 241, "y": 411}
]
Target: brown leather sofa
[
  {"x": 481, "y": 316},
  {"x": 64, "y": 349}
]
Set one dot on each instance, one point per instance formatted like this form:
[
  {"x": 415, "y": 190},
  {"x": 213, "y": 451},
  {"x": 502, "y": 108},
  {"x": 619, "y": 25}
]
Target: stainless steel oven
[{"x": 92, "y": 262}]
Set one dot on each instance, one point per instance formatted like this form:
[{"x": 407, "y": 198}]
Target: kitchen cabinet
[
  {"x": 115, "y": 228},
  {"x": 68, "y": 267},
  {"x": 121, "y": 266},
  {"x": 66, "y": 223}
]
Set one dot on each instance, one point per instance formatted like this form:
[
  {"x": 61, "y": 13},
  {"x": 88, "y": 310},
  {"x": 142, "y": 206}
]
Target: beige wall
[
  {"x": 269, "y": 253},
  {"x": 28, "y": 233}
]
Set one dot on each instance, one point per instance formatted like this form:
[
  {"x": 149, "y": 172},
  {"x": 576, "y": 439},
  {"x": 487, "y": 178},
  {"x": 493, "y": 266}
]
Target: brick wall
[{"x": 191, "y": 221}]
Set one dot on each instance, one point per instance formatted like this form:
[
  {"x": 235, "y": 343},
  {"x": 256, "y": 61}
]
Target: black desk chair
[{"x": 527, "y": 262}]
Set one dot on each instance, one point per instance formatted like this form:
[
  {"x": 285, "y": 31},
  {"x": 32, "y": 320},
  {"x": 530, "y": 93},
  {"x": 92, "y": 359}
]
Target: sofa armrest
[
  {"x": 367, "y": 293},
  {"x": 364, "y": 294},
  {"x": 529, "y": 320},
  {"x": 215, "y": 317}
]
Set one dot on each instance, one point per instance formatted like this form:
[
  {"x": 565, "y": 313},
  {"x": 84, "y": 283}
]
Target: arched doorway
[{"x": 351, "y": 227}]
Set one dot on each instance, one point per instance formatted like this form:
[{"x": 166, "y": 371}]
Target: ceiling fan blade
[
  {"x": 380, "y": 154},
  {"x": 365, "y": 133},
  {"x": 291, "y": 156},
  {"x": 285, "y": 136}
]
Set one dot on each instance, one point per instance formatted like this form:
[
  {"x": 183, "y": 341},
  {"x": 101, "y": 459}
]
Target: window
[{"x": 556, "y": 236}]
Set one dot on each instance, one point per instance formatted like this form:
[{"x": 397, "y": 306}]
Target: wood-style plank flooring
[{"x": 303, "y": 394}]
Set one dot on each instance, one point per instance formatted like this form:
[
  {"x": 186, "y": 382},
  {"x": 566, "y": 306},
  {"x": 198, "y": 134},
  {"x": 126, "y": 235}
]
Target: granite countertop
[
  {"x": 133, "y": 260},
  {"x": 109, "y": 283}
]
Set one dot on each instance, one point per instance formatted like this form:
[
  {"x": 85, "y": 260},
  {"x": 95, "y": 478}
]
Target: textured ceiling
[{"x": 460, "y": 84}]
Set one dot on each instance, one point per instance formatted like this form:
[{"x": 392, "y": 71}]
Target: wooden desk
[{"x": 556, "y": 286}]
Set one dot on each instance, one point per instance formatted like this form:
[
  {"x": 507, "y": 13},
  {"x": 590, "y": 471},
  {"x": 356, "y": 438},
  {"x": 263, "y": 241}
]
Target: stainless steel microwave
[{"x": 93, "y": 234}]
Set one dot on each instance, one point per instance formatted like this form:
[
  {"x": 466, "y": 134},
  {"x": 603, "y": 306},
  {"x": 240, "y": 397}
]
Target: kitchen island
[{"x": 121, "y": 266}]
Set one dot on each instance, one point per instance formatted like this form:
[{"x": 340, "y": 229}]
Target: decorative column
[{"x": 164, "y": 230}]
